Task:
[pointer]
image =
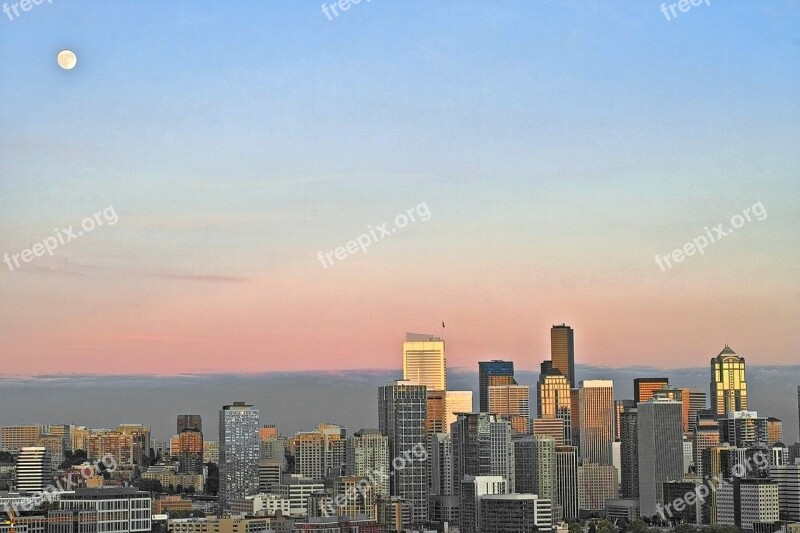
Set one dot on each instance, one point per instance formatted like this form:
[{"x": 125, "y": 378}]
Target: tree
[
  {"x": 149, "y": 485},
  {"x": 575, "y": 527},
  {"x": 604, "y": 526}
]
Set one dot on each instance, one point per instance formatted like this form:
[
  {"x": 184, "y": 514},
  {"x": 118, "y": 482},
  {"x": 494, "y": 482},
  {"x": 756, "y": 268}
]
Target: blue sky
[{"x": 559, "y": 145}]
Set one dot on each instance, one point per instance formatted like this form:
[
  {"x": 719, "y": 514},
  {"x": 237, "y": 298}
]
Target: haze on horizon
[{"x": 559, "y": 147}]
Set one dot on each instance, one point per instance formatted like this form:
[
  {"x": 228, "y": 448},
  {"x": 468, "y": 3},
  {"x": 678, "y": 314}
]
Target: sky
[{"x": 549, "y": 152}]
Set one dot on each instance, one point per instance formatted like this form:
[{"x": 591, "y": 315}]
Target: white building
[
  {"x": 118, "y": 509},
  {"x": 297, "y": 489},
  {"x": 747, "y": 501},
  {"x": 34, "y": 469}
]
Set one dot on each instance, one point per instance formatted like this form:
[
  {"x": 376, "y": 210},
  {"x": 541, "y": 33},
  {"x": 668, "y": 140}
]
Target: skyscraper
[
  {"x": 368, "y": 453},
  {"x": 424, "y": 361},
  {"x": 190, "y": 422},
  {"x": 567, "y": 481},
  {"x": 629, "y": 468},
  {"x": 456, "y": 401},
  {"x": 660, "y": 431},
  {"x": 490, "y": 373},
  {"x": 562, "y": 351},
  {"x": 643, "y": 388},
  {"x": 33, "y": 469},
  {"x": 402, "y": 409},
  {"x": 188, "y": 447},
  {"x": 238, "y": 453},
  {"x": 471, "y": 489},
  {"x": 511, "y": 401},
  {"x": 706, "y": 436},
  {"x": 545, "y": 469},
  {"x": 597, "y": 419},
  {"x": 553, "y": 398},
  {"x": 482, "y": 446},
  {"x": 728, "y": 383},
  {"x": 694, "y": 401}
]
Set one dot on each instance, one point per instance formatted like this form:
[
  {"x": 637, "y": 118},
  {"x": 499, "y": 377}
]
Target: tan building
[
  {"x": 597, "y": 420},
  {"x": 513, "y": 402},
  {"x": 321, "y": 453},
  {"x": 596, "y": 485},
  {"x": 457, "y": 401},
  {"x": 169, "y": 476},
  {"x": 17, "y": 437},
  {"x": 728, "y": 383},
  {"x": 424, "y": 361},
  {"x": 171, "y": 502},
  {"x": 118, "y": 445},
  {"x": 553, "y": 427}
]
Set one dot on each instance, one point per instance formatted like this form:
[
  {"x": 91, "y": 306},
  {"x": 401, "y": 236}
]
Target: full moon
[{"x": 67, "y": 59}]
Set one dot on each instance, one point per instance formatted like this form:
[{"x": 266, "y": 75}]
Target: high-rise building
[
  {"x": 743, "y": 428},
  {"x": 471, "y": 490},
  {"x": 694, "y": 401},
  {"x": 747, "y": 502},
  {"x": 511, "y": 401},
  {"x": 211, "y": 451},
  {"x": 238, "y": 453},
  {"x": 187, "y": 446},
  {"x": 596, "y": 420},
  {"x": 774, "y": 430},
  {"x": 553, "y": 427},
  {"x": 728, "y": 383},
  {"x": 189, "y": 422},
  {"x": 788, "y": 479},
  {"x": 17, "y": 437},
  {"x": 525, "y": 450},
  {"x": 268, "y": 432},
  {"x": 545, "y": 470},
  {"x": 402, "y": 409},
  {"x": 554, "y": 398},
  {"x": 643, "y": 388},
  {"x": 562, "y": 351},
  {"x": 320, "y": 454},
  {"x": 482, "y": 446},
  {"x": 440, "y": 464},
  {"x": 660, "y": 431},
  {"x": 118, "y": 445},
  {"x": 140, "y": 438},
  {"x": 620, "y": 406},
  {"x": 521, "y": 513},
  {"x": 424, "y": 361},
  {"x": 456, "y": 401},
  {"x": 596, "y": 484},
  {"x": 706, "y": 436},
  {"x": 567, "y": 481},
  {"x": 34, "y": 469},
  {"x": 490, "y": 373},
  {"x": 629, "y": 460},
  {"x": 436, "y": 417},
  {"x": 368, "y": 453}
]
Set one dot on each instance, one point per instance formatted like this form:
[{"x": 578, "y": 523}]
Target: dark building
[
  {"x": 190, "y": 422},
  {"x": 493, "y": 373}
]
